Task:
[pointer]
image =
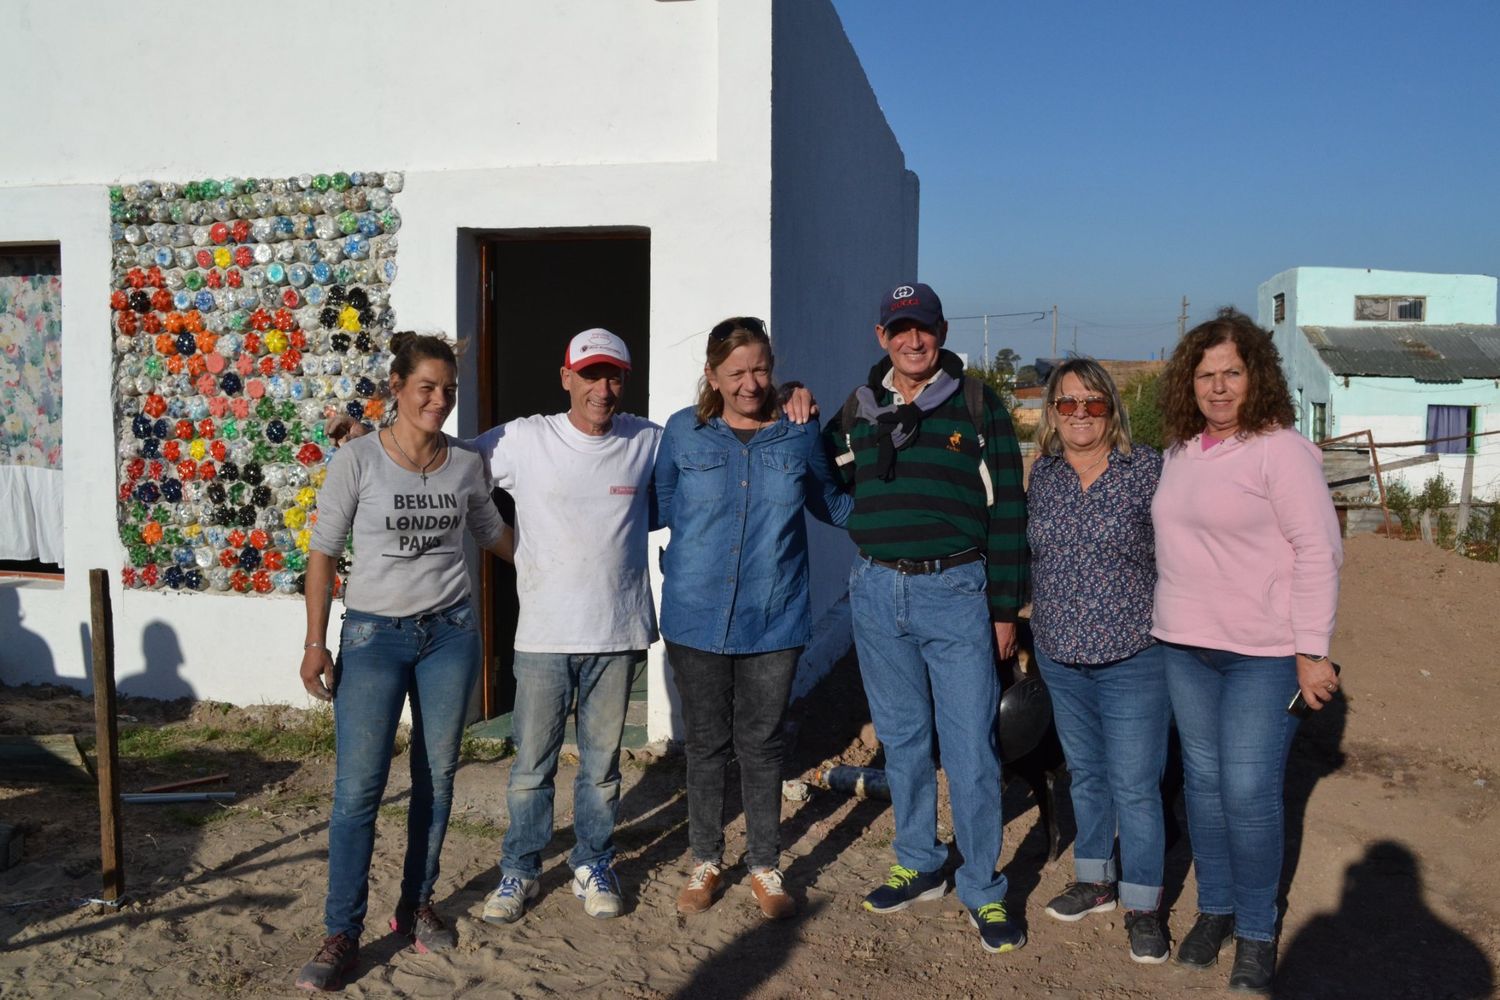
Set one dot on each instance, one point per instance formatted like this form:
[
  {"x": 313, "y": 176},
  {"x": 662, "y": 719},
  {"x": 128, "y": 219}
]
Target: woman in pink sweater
[{"x": 1247, "y": 557}]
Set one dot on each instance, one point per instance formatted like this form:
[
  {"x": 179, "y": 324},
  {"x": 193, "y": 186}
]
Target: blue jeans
[
  {"x": 546, "y": 684},
  {"x": 1236, "y": 733},
  {"x": 735, "y": 701},
  {"x": 1112, "y": 720},
  {"x": 925, "y": 648},
  {"x": 433, "y": 659}
]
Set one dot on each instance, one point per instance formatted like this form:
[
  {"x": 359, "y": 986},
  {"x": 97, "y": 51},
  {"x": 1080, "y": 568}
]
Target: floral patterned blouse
[{"x": 1093, "y": 563}]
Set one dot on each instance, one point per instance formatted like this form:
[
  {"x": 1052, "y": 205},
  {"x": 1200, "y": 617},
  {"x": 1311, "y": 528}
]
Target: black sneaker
[
  {"x": 423, "y": 927},
  {"x": 997, "y": 932},
  {"x": 1254, "y": 966},
  {"x": 1148, "y": 942},
  {"x": 1200, "y": 947},
  {"x": 327, "y": 969},
  {"x": 905, "y": 887},
  {"x": 1080, "y": 899}
]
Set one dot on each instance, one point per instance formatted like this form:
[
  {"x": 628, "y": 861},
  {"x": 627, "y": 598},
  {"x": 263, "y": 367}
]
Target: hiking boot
[
  {"x": 1254, "y": 966},
  {"x": 334, "y": 960},
  {"x": 774, "y": 903},
  {"x": 1148, "y": 942},
  {"x": 997, "y": 932},
  {"x": 905, "y": 887},
  {"x": 702, "y": 886},
  {"x": 506, "y": 904},
  {"x": 599, "y": 889},
  {"x": 422, "y": 925},
  {"x": 1200, "y": 947},
  {"x": 1080, "y": 899}
]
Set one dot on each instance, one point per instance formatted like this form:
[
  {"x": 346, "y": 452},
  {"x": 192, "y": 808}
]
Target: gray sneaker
[
  {"x": 599, "y": 889},
  {"x": 506, "y": 904}
]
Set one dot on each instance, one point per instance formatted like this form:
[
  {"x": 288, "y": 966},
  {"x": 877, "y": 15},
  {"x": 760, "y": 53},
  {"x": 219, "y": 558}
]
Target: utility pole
[
  {"x": 1075, "y": 338},
  {"x": 1182, "y": 320},
  {"x": 1054, "y": 330},
  {"x": 986, "y": 341}
]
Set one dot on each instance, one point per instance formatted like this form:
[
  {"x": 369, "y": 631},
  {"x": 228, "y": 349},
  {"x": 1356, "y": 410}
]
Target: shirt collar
[{"x": 889, "y": 382}]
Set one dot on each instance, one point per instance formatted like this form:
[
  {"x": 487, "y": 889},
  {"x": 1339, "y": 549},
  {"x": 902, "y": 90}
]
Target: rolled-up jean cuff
[
  {"x": 1140, "y": 897},
  {"x": 1095, "y": 870}
]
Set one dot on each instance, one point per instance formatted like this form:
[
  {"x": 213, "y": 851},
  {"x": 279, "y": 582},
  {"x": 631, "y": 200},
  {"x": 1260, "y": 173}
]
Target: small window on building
[
  {"x": 1318, "y": 421},
  {"x": 1390, "y": 308},
  {"x": 1451, "y": 429},
  {"x": 1280, "y": 307}
]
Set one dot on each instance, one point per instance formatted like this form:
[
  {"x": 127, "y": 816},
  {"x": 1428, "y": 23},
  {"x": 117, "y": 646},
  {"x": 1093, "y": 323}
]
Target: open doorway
[{"x": 538, "y": 288}]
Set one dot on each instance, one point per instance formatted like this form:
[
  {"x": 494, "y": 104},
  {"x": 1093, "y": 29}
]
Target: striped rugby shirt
[{"x": 934, "y": 504}]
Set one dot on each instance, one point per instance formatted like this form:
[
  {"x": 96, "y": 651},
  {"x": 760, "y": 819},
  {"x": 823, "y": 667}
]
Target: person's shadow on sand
[{"x": 1383, "y": 941}]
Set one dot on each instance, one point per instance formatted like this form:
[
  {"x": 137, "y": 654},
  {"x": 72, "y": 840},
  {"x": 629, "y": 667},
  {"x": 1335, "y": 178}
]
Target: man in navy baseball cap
[{"x": 940, "y": 520}]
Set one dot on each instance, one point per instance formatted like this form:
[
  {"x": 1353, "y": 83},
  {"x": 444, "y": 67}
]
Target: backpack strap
[
  {"x": 847, "y": 416},
  {"x": 973, "y": 390}
]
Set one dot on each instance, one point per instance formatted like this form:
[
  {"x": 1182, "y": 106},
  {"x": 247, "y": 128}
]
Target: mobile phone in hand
[{"x": 1298, "y": 707}]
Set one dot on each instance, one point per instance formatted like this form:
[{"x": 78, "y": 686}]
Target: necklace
[
  {"x": 423, "y": 470},
  {"x": 1091, "y": 466}
]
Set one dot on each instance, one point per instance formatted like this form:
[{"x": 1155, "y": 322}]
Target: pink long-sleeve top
[{"x": 1247, "y": 547}]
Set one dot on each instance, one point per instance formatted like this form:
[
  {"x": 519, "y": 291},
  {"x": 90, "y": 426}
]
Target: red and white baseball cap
[{"x": 596, "y": 347}]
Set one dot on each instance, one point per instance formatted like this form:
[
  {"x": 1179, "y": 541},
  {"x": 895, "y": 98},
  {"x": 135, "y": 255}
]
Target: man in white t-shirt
[{"x": 581, "y": 482}]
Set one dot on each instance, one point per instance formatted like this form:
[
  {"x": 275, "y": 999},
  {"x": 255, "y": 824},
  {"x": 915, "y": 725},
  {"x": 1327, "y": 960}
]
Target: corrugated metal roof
[{"x": 1412, "y": 350}]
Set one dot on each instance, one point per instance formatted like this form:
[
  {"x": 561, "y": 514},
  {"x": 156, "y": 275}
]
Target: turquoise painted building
[{"x": 1410, "y": 357}]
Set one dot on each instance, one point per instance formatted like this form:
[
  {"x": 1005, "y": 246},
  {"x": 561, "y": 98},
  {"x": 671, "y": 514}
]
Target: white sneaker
[
  {"x": 506, "y": 904},
  {"x": 599, "y": 889}
]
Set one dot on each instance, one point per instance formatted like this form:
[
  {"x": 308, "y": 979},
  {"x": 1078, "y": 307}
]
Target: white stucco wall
[
  {"x": 1306, "y": 375},
  {"x": 605, "y": 113},
  {"x": 844, "y": 228},
  {"x": 1324, "y": 296}
]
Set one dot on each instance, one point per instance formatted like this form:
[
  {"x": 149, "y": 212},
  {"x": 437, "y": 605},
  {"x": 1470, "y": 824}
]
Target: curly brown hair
[{"x": 1267, "y": 404}]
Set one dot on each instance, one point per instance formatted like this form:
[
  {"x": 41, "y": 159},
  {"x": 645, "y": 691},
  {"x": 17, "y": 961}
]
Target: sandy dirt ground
[{"x": 1393, "y": 869}]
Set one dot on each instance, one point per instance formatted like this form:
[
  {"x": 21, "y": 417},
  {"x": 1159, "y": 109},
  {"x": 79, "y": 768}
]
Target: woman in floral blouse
[{"x": 1093, "y": 573}]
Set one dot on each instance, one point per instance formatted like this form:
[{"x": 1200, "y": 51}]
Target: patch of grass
[
  {"x": 475, "y": 828},
  {"x": 393, "y": 812},
  {"x": 308, "y": 736},
  {"x": 296, "y": 800},
  {"x": 484, "y": 751}
]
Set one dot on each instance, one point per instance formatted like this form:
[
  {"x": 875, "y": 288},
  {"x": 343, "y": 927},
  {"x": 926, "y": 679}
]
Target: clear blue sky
[{"x": 1112, "y": 157}]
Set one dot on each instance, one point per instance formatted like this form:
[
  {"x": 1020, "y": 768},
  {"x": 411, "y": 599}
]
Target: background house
[
  {"x": 645, "y": 166},
  {"x": 1408, "y": 356}
]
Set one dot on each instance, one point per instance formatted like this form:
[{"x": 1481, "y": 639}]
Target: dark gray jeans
[{"x": 740, "y": 702}]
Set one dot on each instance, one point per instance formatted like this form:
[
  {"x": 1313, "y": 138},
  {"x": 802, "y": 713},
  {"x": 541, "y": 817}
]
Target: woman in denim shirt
[
  {"x": 1093, "y": 571},
  {"x": 733, "y": 476}
]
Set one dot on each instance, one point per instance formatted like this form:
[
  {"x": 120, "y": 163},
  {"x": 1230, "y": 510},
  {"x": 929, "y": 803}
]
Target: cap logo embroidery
[{"x": 904, "y": 292}]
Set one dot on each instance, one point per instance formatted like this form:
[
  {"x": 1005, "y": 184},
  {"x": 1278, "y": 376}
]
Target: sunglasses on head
[
  {"x": 751, "y": 323},
  {"x": 1093, "y": 406}
]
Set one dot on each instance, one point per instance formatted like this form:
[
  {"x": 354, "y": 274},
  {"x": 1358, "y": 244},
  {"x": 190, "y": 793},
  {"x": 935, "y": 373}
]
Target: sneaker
[
  {"x": 506, "y": 904},
  {"x": 599, "y": 889},
  {"x": 334, "y": 960},
  {"x": 423, "y": 927},
  {"x": 997, "y": 932},
  {"x": 1200, "y": 947},
  {"x": 1254, "y": 966},
  {"x": 774, "y": 903},
  {"x": 1148, "y": 942},
  {"x": 702, "y": 886},
  {"x": 905, "y": 887},
  {"x": 1080, "y": 899}
]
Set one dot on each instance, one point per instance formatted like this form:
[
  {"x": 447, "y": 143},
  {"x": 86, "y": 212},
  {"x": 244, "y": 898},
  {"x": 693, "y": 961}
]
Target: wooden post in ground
[
  {"x": 1466, "y": 493},
  {"x": 107, "y": 741},
  {"x": 1425, "y": 522}
]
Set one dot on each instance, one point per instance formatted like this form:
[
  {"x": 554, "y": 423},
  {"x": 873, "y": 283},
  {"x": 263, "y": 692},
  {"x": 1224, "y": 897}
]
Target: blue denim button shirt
[{"x": 736, "y": 567}]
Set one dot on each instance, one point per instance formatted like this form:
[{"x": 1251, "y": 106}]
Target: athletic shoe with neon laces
[
  {"x": 423, "y": 927},
  {"x": 1080, "y": 899},
  {"x": 599, "y": 889},
  {"x": 997, "y": 932},
  {"x": 333, "y": 962},
  {"x": 905, "y": 887},
  {"x": 508, "y": 902}
]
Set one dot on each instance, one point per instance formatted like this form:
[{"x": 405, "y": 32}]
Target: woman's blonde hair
[
  {"x": 1097, "y": 380},
  {"x": 723, "y": 339}
]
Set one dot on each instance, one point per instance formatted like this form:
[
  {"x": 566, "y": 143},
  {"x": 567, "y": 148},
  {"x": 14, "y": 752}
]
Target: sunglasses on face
[
  {"x": 1093, "y": 406},
  {"x": 724, "y": 329}
]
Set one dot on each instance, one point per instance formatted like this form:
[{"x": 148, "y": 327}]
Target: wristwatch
[{"x": 1315, "y": 658}]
